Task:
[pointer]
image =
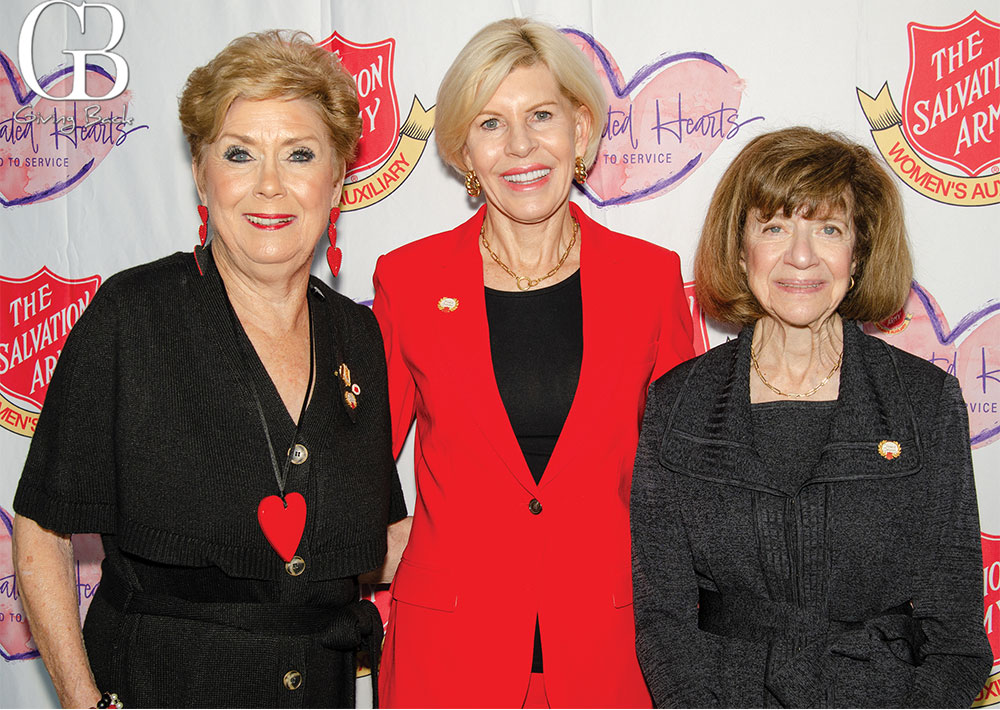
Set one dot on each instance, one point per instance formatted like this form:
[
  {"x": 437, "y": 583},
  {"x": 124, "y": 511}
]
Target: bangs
[{"x": 802, "y": 189}]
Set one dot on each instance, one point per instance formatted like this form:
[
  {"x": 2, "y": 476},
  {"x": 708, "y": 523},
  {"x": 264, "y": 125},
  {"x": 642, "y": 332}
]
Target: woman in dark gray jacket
[{"x": 804, "y": 520}]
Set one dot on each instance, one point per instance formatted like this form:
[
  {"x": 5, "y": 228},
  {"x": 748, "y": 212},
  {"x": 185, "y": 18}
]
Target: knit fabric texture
[
  {"x": 151, "y": 436},
  {"x": 827, "y": 558}
]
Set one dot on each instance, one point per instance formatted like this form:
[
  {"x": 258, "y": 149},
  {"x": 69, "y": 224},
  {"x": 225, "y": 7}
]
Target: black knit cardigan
[
  {"x": 150, "y": 432},
  {"x": 864, "y": 536}
]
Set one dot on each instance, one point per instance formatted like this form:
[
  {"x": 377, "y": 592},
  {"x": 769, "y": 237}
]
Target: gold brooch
[
  {"x": 448, "y": 304},
  {"x": 889, "y": 450},
  {"x": 352, "y": 388}
]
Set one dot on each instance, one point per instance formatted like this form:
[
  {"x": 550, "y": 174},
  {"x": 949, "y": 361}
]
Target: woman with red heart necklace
[{"x": 221, "y": 418}]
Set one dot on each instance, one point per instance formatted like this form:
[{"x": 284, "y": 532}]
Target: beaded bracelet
[{"x": 109, "y": 700}]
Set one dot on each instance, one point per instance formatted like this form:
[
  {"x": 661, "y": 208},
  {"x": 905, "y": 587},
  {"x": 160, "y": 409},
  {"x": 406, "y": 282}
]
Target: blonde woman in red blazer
[{"x": 515, "y": 588}]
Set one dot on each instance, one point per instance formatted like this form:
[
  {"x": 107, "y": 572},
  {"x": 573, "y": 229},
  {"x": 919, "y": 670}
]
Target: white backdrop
[{"x": 737, "y": 68}]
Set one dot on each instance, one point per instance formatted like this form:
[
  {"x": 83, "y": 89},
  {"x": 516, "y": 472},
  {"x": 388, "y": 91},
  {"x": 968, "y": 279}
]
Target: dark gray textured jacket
[{"x": 859, "y": 541}]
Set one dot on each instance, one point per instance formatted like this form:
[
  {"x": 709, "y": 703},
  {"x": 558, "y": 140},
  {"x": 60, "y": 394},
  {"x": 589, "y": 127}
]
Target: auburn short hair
[
  {"x": 803, "y": 170},
  {"x": 271, "y": 65}
]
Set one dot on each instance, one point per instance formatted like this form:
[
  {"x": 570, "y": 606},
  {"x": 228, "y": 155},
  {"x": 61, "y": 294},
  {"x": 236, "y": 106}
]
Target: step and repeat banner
[{"x": 95, "y": 173}]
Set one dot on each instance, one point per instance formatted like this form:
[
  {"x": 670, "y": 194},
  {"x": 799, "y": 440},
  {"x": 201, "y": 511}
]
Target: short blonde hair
[
  {"x": 270, "y": 65},
  {"x": 800, "y": 169},
  {"x": 489, "y": 57}
]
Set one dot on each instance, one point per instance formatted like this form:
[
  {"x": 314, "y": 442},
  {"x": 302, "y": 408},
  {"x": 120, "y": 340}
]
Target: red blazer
[{"x": 490, "y": 549}]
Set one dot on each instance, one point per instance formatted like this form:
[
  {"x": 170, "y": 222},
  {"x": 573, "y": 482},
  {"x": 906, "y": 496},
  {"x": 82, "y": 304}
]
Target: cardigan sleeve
[
  {"x": 397, "y": 504},
  {"x": 680, "y": 663},
  {"x": 957, "y": 655},
  {"x": 68, "y": 480},
  {"x": 947, "y": 661},
  {"x": 676, "y": 330},
  {"x": 402, "y": 389}
]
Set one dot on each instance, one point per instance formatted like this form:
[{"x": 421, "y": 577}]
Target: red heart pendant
[
  {"x": 283, "y": 522},
  {"x": 333, "y": 257}
]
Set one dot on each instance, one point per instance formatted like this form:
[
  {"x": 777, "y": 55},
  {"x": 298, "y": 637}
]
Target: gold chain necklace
[
  {"x": 814, "y": 390},
  {"x": 530, "y": 282}
]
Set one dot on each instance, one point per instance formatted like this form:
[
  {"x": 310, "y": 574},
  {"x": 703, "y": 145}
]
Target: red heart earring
[
  {"x": 203, "y": 229},
  {"x": 333, "y": 255}
]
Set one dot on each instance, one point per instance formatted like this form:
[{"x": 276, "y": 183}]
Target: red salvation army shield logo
[
  {"x": 371, "y": 66},
  {"x": 991, "y": 591},
  {"x": 36, "y": 315},
  {"x": 947, "y": 99}
]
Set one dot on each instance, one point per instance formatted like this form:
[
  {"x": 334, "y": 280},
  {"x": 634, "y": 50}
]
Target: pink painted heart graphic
[
  {"x": 662, "y": 125},
  {"x": 16, "y": 642},
  {"x": 47, "y": 147},
  {"x": 970, "y": 351}
]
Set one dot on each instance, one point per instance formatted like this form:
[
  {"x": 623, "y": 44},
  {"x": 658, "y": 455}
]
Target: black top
[
  {"x": 790, "y": 435},
  {"x": 150, "y": 435},
  {"x": 536, "y": 338}
]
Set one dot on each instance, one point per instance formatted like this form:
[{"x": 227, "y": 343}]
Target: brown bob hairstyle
[
  {"x": 800, "y": 170},
  {"x": 493, "y": 53},
  {"x": 277, "y": 64}
]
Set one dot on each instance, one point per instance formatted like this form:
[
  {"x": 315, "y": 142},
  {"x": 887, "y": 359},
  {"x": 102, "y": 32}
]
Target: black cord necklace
[{"x": 282, "y": 518}]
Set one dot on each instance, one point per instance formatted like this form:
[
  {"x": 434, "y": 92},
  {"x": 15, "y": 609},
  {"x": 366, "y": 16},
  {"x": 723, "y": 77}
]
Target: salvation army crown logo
[
  {"x": 387, "y": 153},
  {"x": 36, "y": 315},
  {"x": 949, "y": 113}
]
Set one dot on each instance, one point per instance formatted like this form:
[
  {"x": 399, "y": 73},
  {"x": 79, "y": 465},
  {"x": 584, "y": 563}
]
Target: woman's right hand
[
  {"x": 397, "y": 535},
  {"x": 43, "y": 565}
]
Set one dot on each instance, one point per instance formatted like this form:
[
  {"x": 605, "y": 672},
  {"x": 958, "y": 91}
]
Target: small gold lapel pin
[
  {"x": 889, "y": 450},
  {"x": 448, "y": 304}
]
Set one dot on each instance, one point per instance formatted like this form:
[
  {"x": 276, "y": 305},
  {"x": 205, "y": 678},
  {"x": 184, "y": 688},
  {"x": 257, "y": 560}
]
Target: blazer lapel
[
  {"x": 464, "y": 340},
  {"x": 597, "y": 256}
]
